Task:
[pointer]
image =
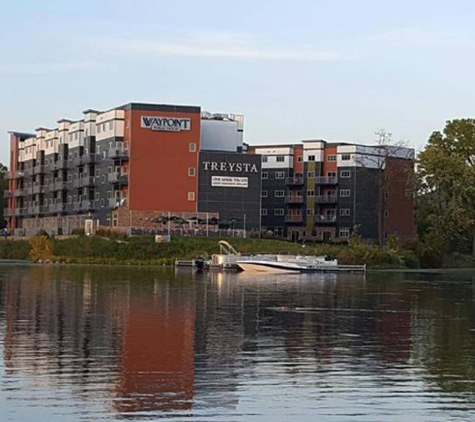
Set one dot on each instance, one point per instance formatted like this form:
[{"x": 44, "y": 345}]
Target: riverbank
[{"x": 144, "y": 251}]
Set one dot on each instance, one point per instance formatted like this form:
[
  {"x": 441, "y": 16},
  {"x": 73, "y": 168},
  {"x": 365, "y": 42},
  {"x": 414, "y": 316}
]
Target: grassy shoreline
[{"x": 143, "y": 251}]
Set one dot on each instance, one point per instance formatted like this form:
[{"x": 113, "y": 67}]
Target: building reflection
[{"x": 160, "y": 343}]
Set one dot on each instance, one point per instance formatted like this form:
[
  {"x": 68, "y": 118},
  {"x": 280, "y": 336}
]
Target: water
[{"x": 99, "y": 343}]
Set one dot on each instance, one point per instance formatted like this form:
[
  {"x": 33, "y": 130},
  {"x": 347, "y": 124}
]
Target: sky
[{"x": 307, "y": 69}]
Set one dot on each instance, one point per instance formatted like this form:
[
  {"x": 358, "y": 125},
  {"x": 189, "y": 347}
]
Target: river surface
[{"x": 115, "y": 344}]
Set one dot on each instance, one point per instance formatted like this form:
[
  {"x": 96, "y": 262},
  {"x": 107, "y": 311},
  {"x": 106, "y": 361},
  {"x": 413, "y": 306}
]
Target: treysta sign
[
  {"x": 165, "y": 124},
  {"x": 230, "y": 167}
]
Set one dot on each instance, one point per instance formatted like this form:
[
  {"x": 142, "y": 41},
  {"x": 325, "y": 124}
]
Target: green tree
[
  {"x": 3, "y": 187},
  {"x": 446, "y": 181}
]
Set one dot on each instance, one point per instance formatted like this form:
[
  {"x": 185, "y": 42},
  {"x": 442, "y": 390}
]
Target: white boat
[{"x": 287, "y": 263}]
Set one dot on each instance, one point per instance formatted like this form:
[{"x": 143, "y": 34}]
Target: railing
[
  {"x": 87, "y": 205},
  {"x": 77, "y": 183},
  {"x": 18, "y": 212},
  {"x": 37, "y": 188},
  {"x": 88, "y": 158},
  {"x": 77, "y": 161},
  {"x": 118, "y": 178},
  {"x": 44, "y": 209},
  {"x": 87, "y": 180},
  {"x": 114, "y": 202},
  {"x": 39, "y": 169},
  {"x": 8, "y": 194},
  {"x": 116, "y": 153},
  {"x": 28, "y": 171},
  {"x": 293, "y": 219},
  {"x": 325, "y": 219},
  {"x": 326, "y": 199},
  {"x": 19, "y": 192},
  {"x": 60, "y": 184},
  {"x": 326, "y": 180},
  {"x": 293, "y": 199},
  {"x": 8, "y": 212},
  {"x": 294, "y": 181},
  {"x": 59, "y": 208},
  {"x": 19, "y": 173},
  {"x": 61, "y": 164}
]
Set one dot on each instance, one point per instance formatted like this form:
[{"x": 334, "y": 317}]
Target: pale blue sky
[{"x": 335, "y": 70}]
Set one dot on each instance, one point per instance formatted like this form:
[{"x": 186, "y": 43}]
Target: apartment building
[
  {"x": 324, "y": 191},
  {"x": 128, "y": 165}
]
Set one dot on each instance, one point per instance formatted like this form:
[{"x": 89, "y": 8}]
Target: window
[
  {"x": 344, "y": 212},
  {"x": 265, "y": 175},
  {"x": 109, "y": 194},
  {"x": 331, "y": 157},
  {"x": 191, "y": 196},
  {"x": 191, "y": 171},
  {"x": 103, "y": 179},
  {"x": 264, "y": 158},
  {"x": 280, "y": 174},
  {"x": 192, "y": 147},
  {"x": 310, "y": 211},
  {"x": 345, "y": 192},
  {"x": 98, "y": 129},
  {"x": 386, "y": 214},
  {"x": 97, "y": 196},
  {"x": 279, "y": 211},
  {"x": 86, "y": 133},
  {"x": 311, "y": 158},
  {"x": 345, "y": 173},
  {"x": 264, "y": 212},
  {"x": 310, "y": 174},
  {"x": 386, "y": 194},
  {"x": 69, "y": 199},
  {"x": 311, "y": 192},
  {"x": 344, "y": 232},
  {"x": 345, "y": 157},
  {"x": 280, "y": 158},
  {"x": 102, "y": 202},
  {"x": 98, "y": 173},
  {"x": 279, "y": 193},
  {"x": 264, "y": 194},
  {"x": 299, "y": 159},
  {"x": 103, "y": 127},
  {"x": 111, "y": 125}
]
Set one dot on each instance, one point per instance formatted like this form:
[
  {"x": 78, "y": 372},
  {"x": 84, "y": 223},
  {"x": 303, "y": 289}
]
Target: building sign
[
  {"x": 165, "y": 124},
  {"x": 229, "y": 182},
  {"x": 230, "y": 167}
]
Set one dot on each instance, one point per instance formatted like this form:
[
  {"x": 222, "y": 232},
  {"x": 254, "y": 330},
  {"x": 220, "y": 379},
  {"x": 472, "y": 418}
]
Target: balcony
[
  {"x": 87, "y": 205},
  {"x": 123, "y": 179},
  {"x": 118, "y": 153},
  {"x": 77, "y": 161},
  {"x": 10, "y": 175},
  {"x": 114, "y": 202},
  {"x": 61, "y": 165},
  {"x": 60, "y": 208},
  {"x": 60, "y": 184},
  {"x": 8, "y": 212},
  {"x": 18, "y": 174},
  {"x": 326, "y": 180},
  {"x": 294, "y": 181},
  {"x": 325, "y": 219},
  {"x": 77, "y": 183},
  {"x": 293, "y": 200},
  {"x": 35, "y": 210},
  {"x": 88, "y": 158},
  {"x": 8, "y": 194},
  {"x": 28, "y": 171},
  {"x": 87, "y": 180},
  {"x": 19, "y": 212},
  {"x": 293, "y": 219},
  {"x": 19, "y": 192},
  {"x": 326, "y": 199},
  {"x": 38, "y": 188},
  {"x": 44, "y": 209},
  {"x": 39, "y": 169}
]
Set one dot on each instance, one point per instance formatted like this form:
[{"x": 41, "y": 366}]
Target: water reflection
[{"x": 147, "y": 343}]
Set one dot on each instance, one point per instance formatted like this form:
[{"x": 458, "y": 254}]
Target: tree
[
  {"x": 446, "y": 181},
  {"x": 3, "y": 187}
]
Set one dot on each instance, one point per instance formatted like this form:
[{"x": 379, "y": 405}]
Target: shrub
[{"x": 41, "y": 248}]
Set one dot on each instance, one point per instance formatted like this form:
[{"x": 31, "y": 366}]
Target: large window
[
  {"x": 345, "y": 193},
  {"x": 279, "y": 193},
  {"x": 280, "y": 159},
  {"x": 345, "y": 173},
  {"x": 279, "y": 211}
]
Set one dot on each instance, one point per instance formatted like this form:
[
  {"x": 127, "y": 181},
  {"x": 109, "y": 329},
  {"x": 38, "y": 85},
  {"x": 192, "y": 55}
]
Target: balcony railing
[
  {"x": 326, "y": 199},
  {"x": 87, "y": 205},
  {"x": 8, "y": 212},
  {"x": 61, "y": 164},
  {"x": 118, "y": 153},
  {"x": 294, "y": 181},
  {"x": 77, "y": 183},
  {"x": 44, "y": 209},
  {"x": 60, "y": 208},
  {"x": 118, "y": 178},
  {"x": 19, "y": 173},
  {"x": 39, "y": 169},
  {"x": 114, "y": 202},
  {"x": 325, "y": 219},
  {"x": 37, "y": 188},
  {"x": 293, "y": 199},
  {"x": 293, "y": 219},
  {"x": 19, "y": 192},
  {"x": 60, "y": 184},
  {"x": 326, "y": 180},
  {"x": 88, "y": 158},
  {"x": 28, "y": 171},
  {"x": 77, "y": 161},
  {"x": 87, "y": 180},
  {"x": 19, "y": 212},
  {"x": 8, "y": 194}
]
